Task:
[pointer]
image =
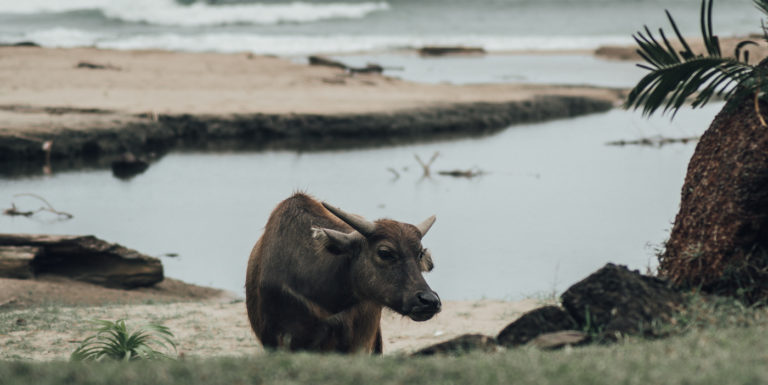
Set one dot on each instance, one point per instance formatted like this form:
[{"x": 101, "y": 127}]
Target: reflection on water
[{"x": 554, "y": 204}]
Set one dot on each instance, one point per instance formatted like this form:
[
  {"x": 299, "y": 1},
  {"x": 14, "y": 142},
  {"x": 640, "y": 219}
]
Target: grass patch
[
  {"x": 714, "y": 341},
  {"x": 734, "y": 355}
]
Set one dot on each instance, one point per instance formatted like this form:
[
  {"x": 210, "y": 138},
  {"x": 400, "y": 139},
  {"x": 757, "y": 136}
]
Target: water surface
[{"x": 555, "y": 203}]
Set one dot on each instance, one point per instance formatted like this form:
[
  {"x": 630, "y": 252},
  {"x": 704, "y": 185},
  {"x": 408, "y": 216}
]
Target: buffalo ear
[
  {"x": 426, "y": 263},
  {"x": 335, "y": 241}
]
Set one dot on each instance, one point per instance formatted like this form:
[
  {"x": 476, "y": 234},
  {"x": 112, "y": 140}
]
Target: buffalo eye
[
  {"x": 386, "y": 255},
  {"x": 422, "y": 253}
]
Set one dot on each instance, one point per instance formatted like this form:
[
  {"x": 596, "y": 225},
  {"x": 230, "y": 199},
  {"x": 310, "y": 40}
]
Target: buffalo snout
[{"x": 424, "y": 305}]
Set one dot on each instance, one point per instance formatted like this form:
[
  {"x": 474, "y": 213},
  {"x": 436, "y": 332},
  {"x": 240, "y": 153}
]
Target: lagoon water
[{"x": 555, "y": 203}]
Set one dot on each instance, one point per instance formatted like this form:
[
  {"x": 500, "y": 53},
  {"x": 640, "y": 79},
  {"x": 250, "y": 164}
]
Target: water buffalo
[{"x": 318, "y": 277}]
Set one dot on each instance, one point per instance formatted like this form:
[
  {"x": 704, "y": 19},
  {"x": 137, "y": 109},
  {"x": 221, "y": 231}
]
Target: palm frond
[
  {"x": 113, "y": 340},
  {"x": 762, "y": 5},
  {"x": 675, "y": 77}
]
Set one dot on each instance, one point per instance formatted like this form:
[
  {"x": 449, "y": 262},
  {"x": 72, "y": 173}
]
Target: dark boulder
[
  {"x": 450, "y": 50},
  {"x": 614, "y": 301},
  {"x": 536, "y": 322},
  {"x": 128, "y": 166}
]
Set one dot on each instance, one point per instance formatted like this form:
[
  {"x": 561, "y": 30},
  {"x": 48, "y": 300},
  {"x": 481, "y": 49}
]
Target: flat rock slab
[
  {"x": 560, "y": 339},
  {"x": 85, "y": 258},
  {"x": 462, "y": 344},
  {"x": 615, "y": 301},
  {"x": 543, "y": 320}
]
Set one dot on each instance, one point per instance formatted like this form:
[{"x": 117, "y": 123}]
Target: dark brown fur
[{"x": 304, "y": 292}]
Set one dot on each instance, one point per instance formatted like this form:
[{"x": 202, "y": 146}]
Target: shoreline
[{"x": 155, "y": 101}]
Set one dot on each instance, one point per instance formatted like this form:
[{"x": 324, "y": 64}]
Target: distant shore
[
  {"x": 93, "y": 103},
  {"x": 728, "y": 45}
]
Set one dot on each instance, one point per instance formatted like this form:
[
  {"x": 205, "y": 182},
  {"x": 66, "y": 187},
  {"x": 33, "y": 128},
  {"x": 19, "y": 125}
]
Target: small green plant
[
  {"x": 677, "y": 75},
  {"x": 113, "y": 340},
  {"x": 594, "y": 331}
]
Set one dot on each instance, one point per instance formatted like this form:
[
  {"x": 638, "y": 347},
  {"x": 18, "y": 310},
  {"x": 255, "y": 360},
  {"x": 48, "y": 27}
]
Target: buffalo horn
[
  {"x": 424, "y": 226},
  {"x": 362, "y": 225},
  {"x": 341, "y": 239}
]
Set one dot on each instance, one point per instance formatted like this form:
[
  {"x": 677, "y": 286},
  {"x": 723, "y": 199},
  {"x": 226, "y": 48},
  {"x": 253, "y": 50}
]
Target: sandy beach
[
  {"x": 103, "y": 102},
  {"x": 164, "y": 82},
  {"x": 206, "y": 322}
]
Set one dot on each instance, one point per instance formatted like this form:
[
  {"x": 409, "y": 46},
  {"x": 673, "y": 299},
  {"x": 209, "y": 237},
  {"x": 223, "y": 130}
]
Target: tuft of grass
[{"x": 113, "y": 340}]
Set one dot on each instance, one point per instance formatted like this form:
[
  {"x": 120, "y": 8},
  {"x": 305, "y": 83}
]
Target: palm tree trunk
[{"x": 719, "y": 240}]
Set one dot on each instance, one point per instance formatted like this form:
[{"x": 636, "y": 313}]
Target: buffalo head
[{"x": 386, "y": 262}]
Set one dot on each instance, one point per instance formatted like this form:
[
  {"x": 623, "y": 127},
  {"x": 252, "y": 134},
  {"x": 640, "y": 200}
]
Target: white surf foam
[
  {"x": 58, "y": 37},
  {"x": 288, "y": 45},
  {"x": 298, "y": 45},
  {"x": 171, "y": 13}
]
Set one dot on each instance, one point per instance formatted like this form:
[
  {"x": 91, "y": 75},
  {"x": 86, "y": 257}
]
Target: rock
[
  {"x": 536, "y": 322},
  {"x": 16, "y": 261},
  {"x": 615, "y": 300},
  {"x": 128, "y": 166},
  {"x": 326, "y": 62},
  {"x": 89, "y": 259},
  {"x": 96, "y": 66},
  {"x": 460, "y": 345},
  {"x": 450, "y": 50},
  {"x": 21, "y": 44},
  {"x": 560, "y": 339}
]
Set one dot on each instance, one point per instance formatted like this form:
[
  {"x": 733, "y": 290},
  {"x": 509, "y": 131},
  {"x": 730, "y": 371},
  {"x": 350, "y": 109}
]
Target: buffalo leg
[{"x": 377, "y": 347}]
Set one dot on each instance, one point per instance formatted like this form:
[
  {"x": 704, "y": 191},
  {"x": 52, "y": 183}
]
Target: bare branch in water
[
  {"x": 469, "y": 174},
  {"x": 427, "y": 165},
  {"x": 393, "y": 171},
  {"x": 656, "y": 141},
  {"x": 13, "y": 211}
]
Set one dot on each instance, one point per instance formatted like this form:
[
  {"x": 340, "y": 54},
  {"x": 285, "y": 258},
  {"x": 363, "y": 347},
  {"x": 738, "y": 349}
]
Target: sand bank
[
  {"x": 147, "y": 100},
  {"x": 727, "y": 45},
  {"x": 205, "y": 321}
]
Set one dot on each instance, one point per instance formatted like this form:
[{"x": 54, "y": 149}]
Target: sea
[{"x": 292, "y": 28}]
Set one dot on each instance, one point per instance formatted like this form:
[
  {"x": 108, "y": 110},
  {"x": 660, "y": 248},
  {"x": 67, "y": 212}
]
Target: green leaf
[
  {"x": 675, "y": 77},
  {"x": 113, "y": 340}
]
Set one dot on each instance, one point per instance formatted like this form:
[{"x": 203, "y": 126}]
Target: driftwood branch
[
  {"x": 369, "y": 67},
  {"x": 469, "y": 174},
  {"x": 426, "y": 166},
  {"x": 657, "y": 141},
  {"x": 13, "y": 211},
  {"x": 393, "y": 171}
]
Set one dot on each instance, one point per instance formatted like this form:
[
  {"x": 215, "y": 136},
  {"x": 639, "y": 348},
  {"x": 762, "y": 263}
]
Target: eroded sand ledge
[{"x": 154, "y": 100}]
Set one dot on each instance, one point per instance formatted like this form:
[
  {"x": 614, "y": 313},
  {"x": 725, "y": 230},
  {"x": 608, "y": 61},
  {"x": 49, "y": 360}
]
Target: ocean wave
[
  {"x": 302, "y": 45},
  {"x": 171, "y": 13},
  {"x": 58, "y": 37},
  {"x": 288, "y": 45}
]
